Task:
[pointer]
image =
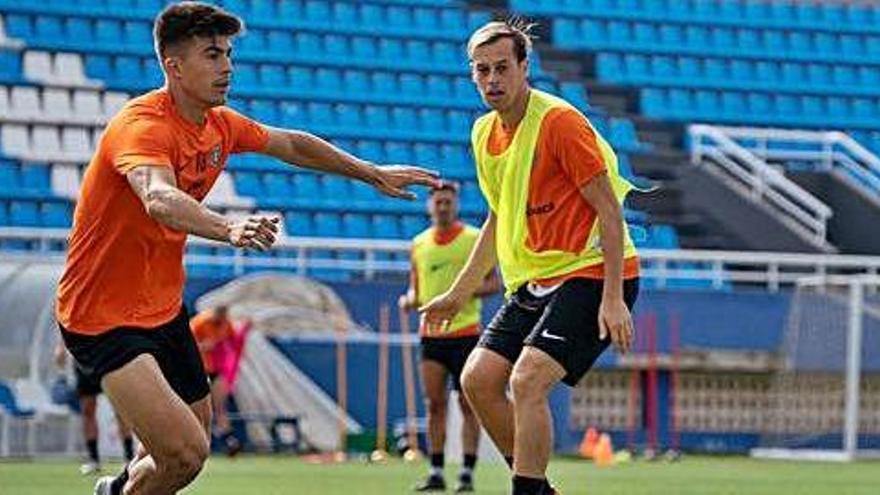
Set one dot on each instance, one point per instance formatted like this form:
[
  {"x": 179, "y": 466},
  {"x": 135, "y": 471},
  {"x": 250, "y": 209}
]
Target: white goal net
[{"x": 824, "y": 400}]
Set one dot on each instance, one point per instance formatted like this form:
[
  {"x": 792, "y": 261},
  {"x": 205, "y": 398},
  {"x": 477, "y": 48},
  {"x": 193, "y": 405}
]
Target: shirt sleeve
[
  {"x": 141, "y": 141},
  {"x": 576, "y": 146},
  {"x": 247, "y": 134}
]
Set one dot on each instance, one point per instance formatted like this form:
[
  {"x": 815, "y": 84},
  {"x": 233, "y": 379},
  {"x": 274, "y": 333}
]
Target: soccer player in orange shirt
[
  {"x": 119, "y": 302},
  {"x": 210, "y": 329}
]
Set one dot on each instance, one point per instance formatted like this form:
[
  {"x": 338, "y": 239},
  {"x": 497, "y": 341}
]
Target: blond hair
[{"x": 515, "y": 28}]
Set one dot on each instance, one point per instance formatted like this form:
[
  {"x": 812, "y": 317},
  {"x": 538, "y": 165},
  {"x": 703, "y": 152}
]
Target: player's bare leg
[
  {"x": 484, "y": 382},
  {"x": 470, "y": 442},
  {"x": 219, "y": 394},
  {"x": 88, "y": 405},
  {"x": 534, "y": 376},
  {"x": 434, "y": 377},
  {"x": 173, "y": 434}
]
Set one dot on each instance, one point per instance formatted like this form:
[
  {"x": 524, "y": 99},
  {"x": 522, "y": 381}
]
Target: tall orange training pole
[
  {"x": 380, "y": 454},
  {"x": 409, "y": 388}
]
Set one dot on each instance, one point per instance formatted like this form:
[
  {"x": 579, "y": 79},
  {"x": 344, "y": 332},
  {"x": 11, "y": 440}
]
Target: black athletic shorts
[
  {"x": 172, "y": 344},
  {"x": 564, "y": 324},
  {"x": 86, "y": 386},
  {"x": 452, "y": 353}
]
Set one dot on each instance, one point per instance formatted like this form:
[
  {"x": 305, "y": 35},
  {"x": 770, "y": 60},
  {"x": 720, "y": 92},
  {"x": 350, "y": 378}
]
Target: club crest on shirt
[{"x": 215, "y": 156}]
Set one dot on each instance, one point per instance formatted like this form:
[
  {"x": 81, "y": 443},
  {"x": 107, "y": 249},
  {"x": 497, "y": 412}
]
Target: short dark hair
[
  {"x": 185, "y": 20},
  {"x": 516, "y": 28},
  {"x": 445, "y": 185}
]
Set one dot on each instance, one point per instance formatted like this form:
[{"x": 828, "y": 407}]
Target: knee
[
  {"x": 185, "y": 461},
  {"x": 526, "y": 384},
  {"x": 476, "y": 384},
  {"x": 436, "y": 406}
]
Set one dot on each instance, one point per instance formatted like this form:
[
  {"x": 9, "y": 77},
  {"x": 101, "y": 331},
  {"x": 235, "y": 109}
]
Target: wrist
[{"x": 368, "y": 172}]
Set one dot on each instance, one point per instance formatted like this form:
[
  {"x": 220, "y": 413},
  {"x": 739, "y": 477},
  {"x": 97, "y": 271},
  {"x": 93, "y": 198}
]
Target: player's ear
[{"x": 172, "y": 67}]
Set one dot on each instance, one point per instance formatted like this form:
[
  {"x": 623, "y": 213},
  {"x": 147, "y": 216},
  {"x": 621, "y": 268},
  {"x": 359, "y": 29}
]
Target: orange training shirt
[
  {"x": 206, "y": 330},
  {"x": 567, "y": 157},
  {"x": 123, "y": 267}
]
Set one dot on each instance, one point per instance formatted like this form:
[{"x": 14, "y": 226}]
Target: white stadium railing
[
  {"x": 828, "y": 151},
  {"x": 716, "y": 269},
  {"x": 754, "y": 178}
]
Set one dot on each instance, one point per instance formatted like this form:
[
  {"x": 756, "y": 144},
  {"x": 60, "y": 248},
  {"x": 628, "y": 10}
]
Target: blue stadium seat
[
  {"x": 264, "y": 111},
  {"x": 335, "y": 188},
  {"x": 292, "y": 114},
  {"x": 298, "y": 224},
  {"x": 385, "y": 227},
  {"x": 24, "y": 214},
  {"x": 356, "y": 225},
  {"x": 471, "y": 197},
  {"x": 361, "y": 191},
  {"x": 622, "y": 133},
  {"x": 320, "y": 114},
  {"x": 253, "y": 41},
  {"x": 280, "y": 40},
  {"x": 383, "y": 82},
  {"x": 427, "y": 154},
  {"x": 9, "y": 176},
  {"x": 307, "y": 43},
  {"x": 4, "y": 213},
  {"x": 356, "y": 81},
  {"x": 344, "y": 13},
  {"x": 306, "y": 186},
  {"x": 404, "y": 118},
  {"x": 452, "y": 20},
  {"x": 398, "y": 152},
  {"x": 56, "y": 215},
  {"x": 35, "y": 177},
  {"x": 328, "y": 80},
  {"x": 371, "y": 150},
  {"x": 248, "y": 184},
  {"x": 391, "y": 50},
  {"x": 377, "y": 117},
  {"x": 48, "y": 28},
  {"x": 417, "y": 51},
  {"x": 411, "y": 225},
  {"x": 98, "y": 66},
  {"x": 18, "y": 26},
  {"x": 432, "y": 119},
  {"x": 336, "y": 47},
  {"x": 328, "y": 224},
  {"x": 316, "y": 11},
  {"x": 349, "y": 116},
  {"x": 399, "y": 15},
  {"x": 364, "y": 48},
  {"x": 272, "y": 76},
  {"x": 79, "y": 28},
  {"x": 137, "y": 33},
  {"x": 128, "y": 70},
  {"x": 412, "y": 84},
  {"x": 301, "y": 77},
  {"x": 455, "y": 156},
  {"x": 277, "y": 185}
]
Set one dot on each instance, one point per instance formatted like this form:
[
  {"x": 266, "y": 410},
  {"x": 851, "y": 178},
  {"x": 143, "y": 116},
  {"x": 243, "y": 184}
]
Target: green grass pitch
[{"x": 288, "y": 475}]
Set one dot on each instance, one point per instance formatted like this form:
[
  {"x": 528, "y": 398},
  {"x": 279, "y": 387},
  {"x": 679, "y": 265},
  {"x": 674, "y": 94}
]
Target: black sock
[
  {"x": 92, "y": 447},
  {"x": 509, "y": 460},
  {"x": 523, "y": 485},
  {"x": 548, "y": 488},
  {"x": 128, "y": 448},
  {"x": 438, "y": 460},
  {"x": 119, "y": 482},
  {"x": 470, "y": 461}
]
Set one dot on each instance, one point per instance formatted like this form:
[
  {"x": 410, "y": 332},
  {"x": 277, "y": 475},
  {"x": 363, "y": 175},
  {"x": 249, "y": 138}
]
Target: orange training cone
[
  {"x": 588, "y": 444},
  {"x": 604, "y": 454}
]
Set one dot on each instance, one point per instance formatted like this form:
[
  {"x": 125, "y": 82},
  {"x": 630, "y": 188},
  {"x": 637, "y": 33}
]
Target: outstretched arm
[
  {"x": 157, "y": 189},
  {"x": 309, "y": 151}
]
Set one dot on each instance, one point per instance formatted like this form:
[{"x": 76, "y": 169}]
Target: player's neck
[
  {"x": 511, "y": 117},
  {"x": 188, "y": 108}
]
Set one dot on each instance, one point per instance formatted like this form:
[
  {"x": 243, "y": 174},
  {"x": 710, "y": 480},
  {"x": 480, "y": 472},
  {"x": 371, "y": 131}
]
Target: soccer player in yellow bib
[
  {"x": 556, "y": 228},
  {"x": 438, "y": 255}
]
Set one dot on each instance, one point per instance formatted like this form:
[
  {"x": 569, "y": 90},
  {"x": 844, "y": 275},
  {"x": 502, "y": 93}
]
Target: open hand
[
  {"x": 256, "y": 232},
  {"x": 392, "y": 180}
]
